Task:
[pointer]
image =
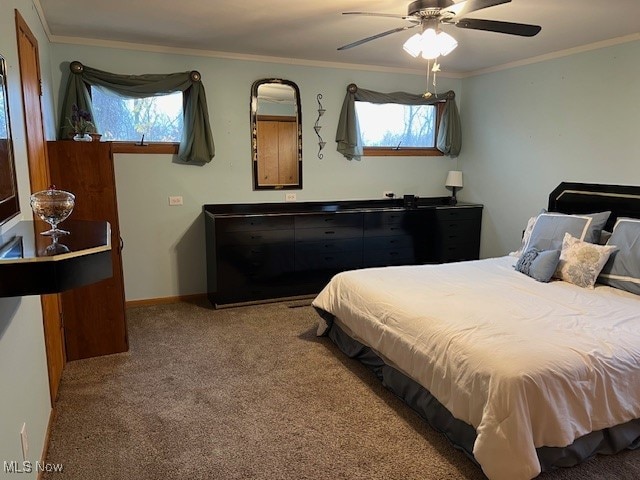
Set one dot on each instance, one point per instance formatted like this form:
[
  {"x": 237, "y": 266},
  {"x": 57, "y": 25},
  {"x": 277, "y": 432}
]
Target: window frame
[
  {"x": 409, "y": 151},
  {"x": 126, "y": 146}
]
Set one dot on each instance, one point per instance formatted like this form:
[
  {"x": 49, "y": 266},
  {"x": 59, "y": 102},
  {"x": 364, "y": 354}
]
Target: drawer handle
[
  {"x": 328, "y": 258},
  {"x": 328, "y": 245},
  {"x": 256, "y": 237},
  {"x": 453, "y": 225},
  {"x": 329, "y": 232},
  {"x": 394, "y": 228},
  {"x": 328, "y": 219},
  {"x": 393, "y": 253}
]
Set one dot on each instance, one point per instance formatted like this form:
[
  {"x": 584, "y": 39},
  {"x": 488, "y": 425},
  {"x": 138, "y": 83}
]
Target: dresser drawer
[
  {"x": 389, "y": 241},
  {"x": 254, "y": 222},
  {"x": 459, "y": 253},
  {"x": 445, "y": 214},
  {"x": 330, "y": 245},
  {"x": 337, "y": 261},
  {"x": 327, "y": 233},
  {"x": 388, "y": 256},
  {"x": 254, "y": 237},
  {"x": 322, "y": 220},
  {"x": 375, "y": 220},
  {"x": 458, "y": 231}
]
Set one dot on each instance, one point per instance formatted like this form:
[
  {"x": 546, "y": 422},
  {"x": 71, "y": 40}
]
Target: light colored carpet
[{"x": 249, "y": 393}]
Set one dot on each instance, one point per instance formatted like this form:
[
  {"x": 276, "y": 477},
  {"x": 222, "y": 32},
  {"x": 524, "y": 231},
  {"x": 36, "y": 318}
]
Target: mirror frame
[
  {"x": 254, "y": 133},
  {"x": 10, "y": 206}
]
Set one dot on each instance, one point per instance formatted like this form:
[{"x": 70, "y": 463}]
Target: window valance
[
  {"x": 348, "y": 136},
  {"x": 196, "y": 146}
]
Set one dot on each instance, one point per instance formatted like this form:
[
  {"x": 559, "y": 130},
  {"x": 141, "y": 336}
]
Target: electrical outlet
[
  {"x": 290, "y": 197},
  {"x": 388, "y": 194},
  {"x": 25, "y": 442},
  {"x": 175, "y": 200}
]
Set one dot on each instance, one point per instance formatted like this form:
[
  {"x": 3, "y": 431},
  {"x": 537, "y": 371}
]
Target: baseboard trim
[
  {"x": 45, "y": 447},
  {"x": 147, "y": 302}
]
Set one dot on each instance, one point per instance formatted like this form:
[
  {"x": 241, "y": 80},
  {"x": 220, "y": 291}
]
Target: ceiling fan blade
[
  {"x": 468, "y": 6},
  {"x": 369, "y": 14},
  {"x": 521, "y": 29},
  {"x": 374, "y": 37}
]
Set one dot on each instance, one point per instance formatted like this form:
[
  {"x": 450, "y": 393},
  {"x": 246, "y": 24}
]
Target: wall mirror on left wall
[
  {"x": 276, "y": 135},
  {"x": 9, "y": 206}
]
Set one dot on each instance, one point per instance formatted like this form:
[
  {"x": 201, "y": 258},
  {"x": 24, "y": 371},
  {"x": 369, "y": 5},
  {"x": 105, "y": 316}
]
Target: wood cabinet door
[
  {"x": 287, "y": 153},
  {"x": 94, "y": 315},
  {"x": 268, "y": 156}
]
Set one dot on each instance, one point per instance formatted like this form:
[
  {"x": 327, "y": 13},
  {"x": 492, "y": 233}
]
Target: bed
[{"x": 522, "y": 375}]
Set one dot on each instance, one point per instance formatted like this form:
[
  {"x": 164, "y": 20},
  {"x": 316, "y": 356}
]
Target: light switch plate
[
  {"x": 290, "y": 197},
  {"x": 175, "y": 200}
]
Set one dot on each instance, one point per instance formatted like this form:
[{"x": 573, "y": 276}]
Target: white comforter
[{"x": 527, "y": 364}]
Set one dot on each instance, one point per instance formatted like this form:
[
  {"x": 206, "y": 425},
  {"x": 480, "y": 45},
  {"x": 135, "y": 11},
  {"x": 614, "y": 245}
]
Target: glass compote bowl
[{"x": 53, "y": 206}]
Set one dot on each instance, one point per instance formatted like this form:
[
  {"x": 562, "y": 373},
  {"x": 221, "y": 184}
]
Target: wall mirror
[
  {"x": 276, "y": 134},
  {"x": 9, "y": 206}
]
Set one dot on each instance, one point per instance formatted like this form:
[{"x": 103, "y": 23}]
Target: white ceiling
[{"x": 313, "y": 30}]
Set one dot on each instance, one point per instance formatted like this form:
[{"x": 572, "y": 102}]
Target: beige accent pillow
[{"x": 581, "y": 262}]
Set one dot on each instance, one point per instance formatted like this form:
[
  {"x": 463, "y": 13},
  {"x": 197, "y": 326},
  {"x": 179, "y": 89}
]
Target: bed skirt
[{"x": 461, "y": 434}]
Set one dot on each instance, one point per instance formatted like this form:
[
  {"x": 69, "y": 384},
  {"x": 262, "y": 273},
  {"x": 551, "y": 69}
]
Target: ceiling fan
[{"x": 431, "y": 13}]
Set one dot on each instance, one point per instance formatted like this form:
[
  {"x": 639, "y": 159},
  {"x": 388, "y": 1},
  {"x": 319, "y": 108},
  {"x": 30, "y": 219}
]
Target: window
[
  {"x": 396, "y": 129},
  {"x": 158, "y": 118}
]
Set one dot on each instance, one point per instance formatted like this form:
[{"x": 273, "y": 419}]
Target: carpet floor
[{"x": 250, "y": 393}]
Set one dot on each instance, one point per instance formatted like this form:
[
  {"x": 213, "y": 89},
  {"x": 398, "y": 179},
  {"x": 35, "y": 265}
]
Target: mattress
[{"x": 526, "y": 364}]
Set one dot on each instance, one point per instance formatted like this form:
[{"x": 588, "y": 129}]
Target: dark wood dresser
[{"x": 273, "y": 250}]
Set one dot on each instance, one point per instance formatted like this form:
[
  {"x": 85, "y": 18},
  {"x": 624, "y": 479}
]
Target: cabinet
[
  {"x": 263, "y": 251},
  {"x": 254, "y": 257},
  {"x": 457, "y": 233},
  {"x": 395, "y": 237},
  {"x": 93, "y": 315}
]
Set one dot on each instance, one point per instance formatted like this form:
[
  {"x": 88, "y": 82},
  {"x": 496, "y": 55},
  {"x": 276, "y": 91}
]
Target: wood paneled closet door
[
  {"x": 29, "y": 60},
  {"x": 94, "y": 315}
]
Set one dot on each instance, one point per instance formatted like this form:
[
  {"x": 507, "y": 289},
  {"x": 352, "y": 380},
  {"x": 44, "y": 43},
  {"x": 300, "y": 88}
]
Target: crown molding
[{"x": 236, "y": 56}]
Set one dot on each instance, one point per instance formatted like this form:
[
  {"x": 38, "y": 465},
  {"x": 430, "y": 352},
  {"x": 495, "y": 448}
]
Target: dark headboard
[{"x": 621, "y": 200}]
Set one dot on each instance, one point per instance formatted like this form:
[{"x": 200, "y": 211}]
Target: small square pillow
[
  {"x": 623, "y": 268},
  {"x": 581, "y": 262},
  {"x": 550, "y": 228},
  {"x": 539, "y": 265}
]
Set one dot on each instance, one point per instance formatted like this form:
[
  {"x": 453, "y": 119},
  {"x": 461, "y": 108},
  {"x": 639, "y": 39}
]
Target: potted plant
[{"x": 81, "y": 124}]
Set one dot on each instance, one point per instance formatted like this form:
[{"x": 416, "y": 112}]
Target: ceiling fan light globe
[
  {"x": 429, "y": 44},
  {"x": 413, "y": 45},
  {"x": 446, "y": 43}
]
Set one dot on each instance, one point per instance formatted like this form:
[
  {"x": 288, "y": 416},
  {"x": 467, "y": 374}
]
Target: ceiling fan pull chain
[
  {"x": 427, "y": 94},
  {"x": 435, "y": 70}
]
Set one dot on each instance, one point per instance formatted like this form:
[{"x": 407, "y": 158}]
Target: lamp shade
[{"x": 454, "y": 179}]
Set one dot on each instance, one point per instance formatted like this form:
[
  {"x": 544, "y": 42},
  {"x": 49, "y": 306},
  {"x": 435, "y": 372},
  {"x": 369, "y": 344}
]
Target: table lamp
[{"x": 454, "y": 180}]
